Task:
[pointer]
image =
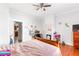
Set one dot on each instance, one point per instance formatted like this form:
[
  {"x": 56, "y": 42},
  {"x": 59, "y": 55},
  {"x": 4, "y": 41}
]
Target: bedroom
[{"x": 58, "y": 18}]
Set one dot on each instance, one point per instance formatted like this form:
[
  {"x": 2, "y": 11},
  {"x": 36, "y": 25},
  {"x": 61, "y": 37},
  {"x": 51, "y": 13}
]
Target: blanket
[{"x": 34, "y": 48}]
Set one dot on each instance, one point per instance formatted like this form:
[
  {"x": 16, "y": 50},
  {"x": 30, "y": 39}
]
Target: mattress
[{"x": 34, "y": 48}]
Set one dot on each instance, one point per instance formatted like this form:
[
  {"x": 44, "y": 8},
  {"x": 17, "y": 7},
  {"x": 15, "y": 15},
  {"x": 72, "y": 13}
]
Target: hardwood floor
[
  {"x": 66, "y": 50},
  {"x": 69, "y": 50}
]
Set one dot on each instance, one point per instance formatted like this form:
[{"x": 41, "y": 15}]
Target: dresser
[
  {"x": 76, "y": 39},
  {"x": 76, "y": 36}
]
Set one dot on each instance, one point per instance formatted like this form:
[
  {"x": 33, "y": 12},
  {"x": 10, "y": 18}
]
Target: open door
[{"x": 17, "y": 32}]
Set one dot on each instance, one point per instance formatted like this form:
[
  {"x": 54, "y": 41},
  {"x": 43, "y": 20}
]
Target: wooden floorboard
[{"x": 66, "y": 50}]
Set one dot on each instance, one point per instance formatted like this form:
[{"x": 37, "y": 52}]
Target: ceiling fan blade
[
  {"x": 47, "y": 6},
  {"x": 36, "y": 5},
  {"x": 37, "y": 8}
]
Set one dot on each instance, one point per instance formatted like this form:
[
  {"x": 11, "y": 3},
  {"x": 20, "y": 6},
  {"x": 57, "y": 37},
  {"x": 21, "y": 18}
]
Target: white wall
[
  {"x": 27, "y": 20},
  {"x": 66, "y": 32},
  {"x": 49, "y": 22},
  {"x": 4, "y": 17},
  {"x": 43, "y": 23},
  {"x": 8, "y": 16},
  {"x": 40, "y": 21}
]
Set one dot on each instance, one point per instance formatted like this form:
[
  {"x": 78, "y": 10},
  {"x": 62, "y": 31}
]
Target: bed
[{"x": 34, "y": 48}]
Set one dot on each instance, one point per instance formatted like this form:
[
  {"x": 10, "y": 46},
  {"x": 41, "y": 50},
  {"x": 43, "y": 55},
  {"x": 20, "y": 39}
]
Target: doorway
[{"x": 17, "y": 32}]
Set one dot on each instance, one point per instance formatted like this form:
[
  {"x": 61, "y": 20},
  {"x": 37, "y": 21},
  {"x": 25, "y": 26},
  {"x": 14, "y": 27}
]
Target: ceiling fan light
[
  {"x": 44, "y": 9},
  {"x": 42, "y": 6}
]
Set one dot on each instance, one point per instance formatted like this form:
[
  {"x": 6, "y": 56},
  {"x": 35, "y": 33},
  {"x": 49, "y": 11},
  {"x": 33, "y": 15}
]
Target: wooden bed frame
[{"x": 52, "y": 42}]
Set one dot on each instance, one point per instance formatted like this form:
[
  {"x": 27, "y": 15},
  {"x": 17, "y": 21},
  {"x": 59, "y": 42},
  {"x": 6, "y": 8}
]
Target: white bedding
[{"x": 34, "y": 48}]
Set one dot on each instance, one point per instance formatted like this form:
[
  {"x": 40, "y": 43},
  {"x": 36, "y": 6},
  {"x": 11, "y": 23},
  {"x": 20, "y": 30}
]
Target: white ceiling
[{"x": 56, "y": 8}]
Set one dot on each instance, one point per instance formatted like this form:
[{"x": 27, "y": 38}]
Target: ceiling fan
[{"x": 42, "y": 6}]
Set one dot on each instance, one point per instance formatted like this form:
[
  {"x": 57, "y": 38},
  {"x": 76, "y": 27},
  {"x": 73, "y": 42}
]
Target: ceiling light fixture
[{"x": 42, "y": 6}]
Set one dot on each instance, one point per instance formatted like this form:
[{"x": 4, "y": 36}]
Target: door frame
[{"x": 21, "y": 30}]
